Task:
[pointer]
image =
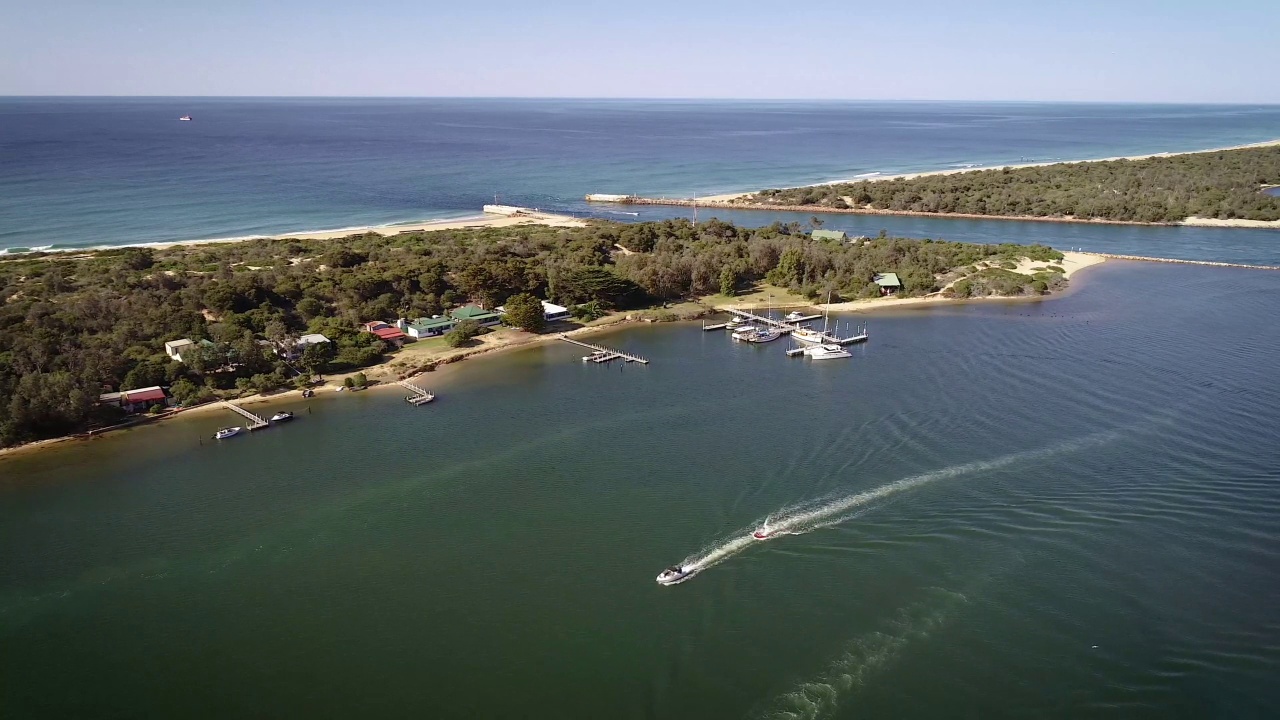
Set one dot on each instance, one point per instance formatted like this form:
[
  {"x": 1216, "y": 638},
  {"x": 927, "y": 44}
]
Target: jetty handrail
[{"x": 255, "y": 421}]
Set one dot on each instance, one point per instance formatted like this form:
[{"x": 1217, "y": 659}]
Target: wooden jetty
[
  {"x": 255, "y": 422},
  {"x": 717, "y": 326},
  {"x": 788, "y": 327},
  {"x": 601, "y": 354},
  {"x": 419, "y": 396}
]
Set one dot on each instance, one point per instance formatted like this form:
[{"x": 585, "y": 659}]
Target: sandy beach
[{"x": 727, "y": 197}]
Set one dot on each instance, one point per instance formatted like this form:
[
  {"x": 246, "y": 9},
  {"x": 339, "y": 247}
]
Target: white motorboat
[
  {"x": 226, "y": 432},
  {"x": 674, "y": 575},
  {"x": 808, "y": 336},
  {"x": 282, "y": 417},
  {"x": 735, "y": 323},
  {"x": 795, "y": 316},
  {"x": 826, "y": 352},
  {"x": 185, "y": 118},
  {"x": 745, "y": 331}
]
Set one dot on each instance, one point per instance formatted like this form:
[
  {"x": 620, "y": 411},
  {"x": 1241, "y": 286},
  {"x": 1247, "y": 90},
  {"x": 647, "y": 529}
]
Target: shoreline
[
  {"x": 469, "y": 222},
  {"x": 726, "y": 197},
  {"x": 384, "y": 374}
]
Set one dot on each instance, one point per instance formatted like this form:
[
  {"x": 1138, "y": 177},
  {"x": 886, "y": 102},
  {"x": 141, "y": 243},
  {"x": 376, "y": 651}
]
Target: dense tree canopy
[
  {"x": 75, "y": 325},
  {"x": 1224, "y": 185}
]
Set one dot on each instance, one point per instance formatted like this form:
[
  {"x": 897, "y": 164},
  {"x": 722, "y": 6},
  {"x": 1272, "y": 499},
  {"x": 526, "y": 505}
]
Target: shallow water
[{"x": 1095, "y": 533}]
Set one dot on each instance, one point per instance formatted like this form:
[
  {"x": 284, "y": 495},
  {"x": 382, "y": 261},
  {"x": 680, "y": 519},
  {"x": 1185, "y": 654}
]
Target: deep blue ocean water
[{"x": 77, "y": 172}]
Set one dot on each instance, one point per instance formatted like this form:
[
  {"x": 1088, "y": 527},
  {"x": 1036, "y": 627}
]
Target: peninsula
[
  {"x": 1216, "y": 187},
  {"x": 205, "y": 321}
]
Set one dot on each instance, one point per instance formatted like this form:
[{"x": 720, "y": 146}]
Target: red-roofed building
[
  {"x": 138, "y": 400},
  {"x": 386, "y": 333}
]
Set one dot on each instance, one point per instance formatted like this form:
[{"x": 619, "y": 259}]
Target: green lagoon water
[{"x": 1067, "y": 508}]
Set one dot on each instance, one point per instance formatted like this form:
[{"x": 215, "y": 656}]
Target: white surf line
[{"x": 826, "y": 512}]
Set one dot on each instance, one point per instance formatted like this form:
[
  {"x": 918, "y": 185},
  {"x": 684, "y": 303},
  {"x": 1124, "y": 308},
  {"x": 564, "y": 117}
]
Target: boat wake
[{"x": 832, "y": 510}]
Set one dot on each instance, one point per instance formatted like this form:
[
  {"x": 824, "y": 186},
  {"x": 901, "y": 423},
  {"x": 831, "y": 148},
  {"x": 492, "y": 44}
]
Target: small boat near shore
[
  {"x": 227, "y": 432},
  {"x": 282, "y": 417}
]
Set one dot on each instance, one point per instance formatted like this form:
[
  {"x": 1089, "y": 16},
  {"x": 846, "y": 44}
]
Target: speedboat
[
  {"x": 226, "y": 432},
  {"x": 795, "y": 316},
  {"x": 185, "y": 118},
  {"x": 764, "y": 533},
  {"x": 673, "y": 575},
  {"x": 826, "y": 352},
  {"x": 282, "y": 417}
]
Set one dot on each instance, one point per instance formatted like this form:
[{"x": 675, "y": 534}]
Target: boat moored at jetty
[
  {"x": 795, "y": 316},
  {"x": 828, "y": 351}
]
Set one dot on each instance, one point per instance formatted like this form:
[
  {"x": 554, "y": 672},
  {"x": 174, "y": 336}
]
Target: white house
[
  {"x": 550, "y": 311},
  {"x": 553, "y": 312},
  {"x": 175, "y": 348},
  {"x": 312, "y": 339}
]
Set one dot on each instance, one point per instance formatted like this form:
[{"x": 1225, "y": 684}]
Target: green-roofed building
[
  {"x": 837, "y": 235},
  {"x": 427, "y": 327},
  {"x": 888, "y": 282},
  {"x": 478, "y": 314}
]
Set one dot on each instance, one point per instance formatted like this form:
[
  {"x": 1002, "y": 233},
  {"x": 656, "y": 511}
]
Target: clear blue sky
[{"x": 1124, "y": 50}]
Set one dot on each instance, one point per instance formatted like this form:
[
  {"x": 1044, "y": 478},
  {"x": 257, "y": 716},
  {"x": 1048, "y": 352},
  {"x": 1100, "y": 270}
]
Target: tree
[
  {"x": 525, "y": 312},
  {"x": 316, "y": 358},
  {"x": 461, "y": 333},
  {"x": 728, "y": 281},
  {"x": 348, "y": 383},
  {"x": 309, "y": 307},
  {"x": 360, "y": 380}
]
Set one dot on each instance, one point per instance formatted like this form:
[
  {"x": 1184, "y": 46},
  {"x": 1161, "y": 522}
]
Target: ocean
[
  {"x": 84, "y": 172},
  {"x": 1067, "y": 508}
]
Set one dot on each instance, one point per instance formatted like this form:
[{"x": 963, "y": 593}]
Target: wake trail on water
[{"x": 828, "y": 511}]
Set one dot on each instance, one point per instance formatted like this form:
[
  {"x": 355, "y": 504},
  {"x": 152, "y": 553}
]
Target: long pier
[
  {"x": 419, "y": 396},
  {"x": 602, "y": 354},
  {"x": 786, "y": 327},
  {"x": 1208, "y": 263},
  {"x": 255, "y": 422}
]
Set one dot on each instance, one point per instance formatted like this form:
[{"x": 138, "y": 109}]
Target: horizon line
[{"x": 633, "y": 99}]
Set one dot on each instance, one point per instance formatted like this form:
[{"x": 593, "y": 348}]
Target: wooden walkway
[
  {"x": 603, "y": 354},
  {"x": 419, "y": 396},
  {"x": 255, "y": 422},
  {"x": 788, "y": 327}
]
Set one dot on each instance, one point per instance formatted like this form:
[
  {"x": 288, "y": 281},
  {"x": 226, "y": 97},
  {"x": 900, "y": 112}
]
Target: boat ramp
[
  {"x": 604, "y": 355},
  {"x": 255, "y": 422}
]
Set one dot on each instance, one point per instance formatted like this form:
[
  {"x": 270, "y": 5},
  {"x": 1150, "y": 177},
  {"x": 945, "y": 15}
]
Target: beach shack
[
  {"x": 888, "y": 282},
  {"x": 478, "y": 314},
  {"x": 837, "y": 235},
  {"x": 176, "y": 348}
]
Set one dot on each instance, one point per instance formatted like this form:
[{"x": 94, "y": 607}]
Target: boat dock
[
  {"x": 419, "y": 396},
  {"x": 255, "y": 422},
  {"x": 603, "y": 354},
  {"x": 787, "y": 327},
  {"x": 717, "y": 326}
]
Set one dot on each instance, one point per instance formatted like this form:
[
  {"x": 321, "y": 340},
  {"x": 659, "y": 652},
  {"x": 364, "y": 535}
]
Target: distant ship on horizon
[{"x": 186, "y": 118}]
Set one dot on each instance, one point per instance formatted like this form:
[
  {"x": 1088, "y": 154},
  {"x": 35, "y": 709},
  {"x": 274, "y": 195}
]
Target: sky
[{"x": 1122, "y": 50}]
